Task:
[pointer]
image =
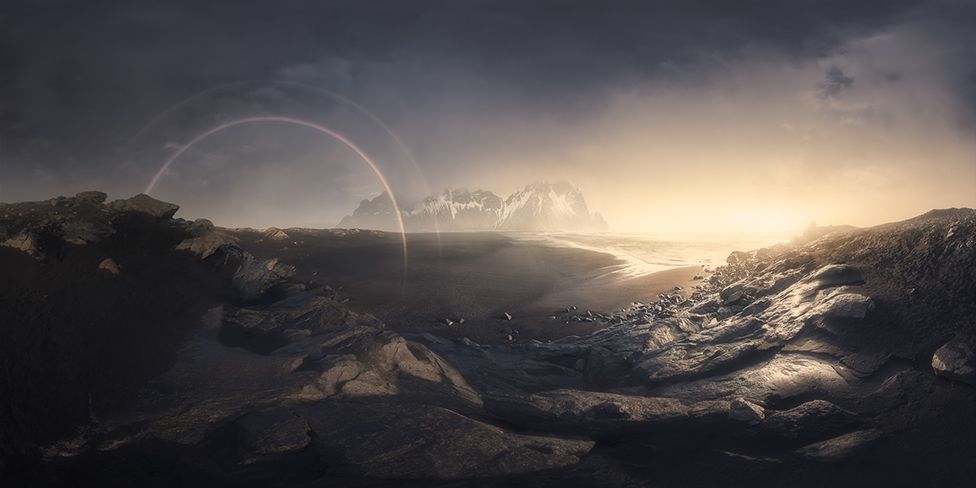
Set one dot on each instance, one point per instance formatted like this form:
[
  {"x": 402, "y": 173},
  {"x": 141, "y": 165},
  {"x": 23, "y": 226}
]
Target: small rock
[
  {"x": 745, "y": 411},
  {"x": 109, "y": 264},
  {"x": 732, "y": 294},
  {"x": 209, "y": 243},
  {"x": 956, "y": 360},
  {"x": 507, "y": 316},
  {"x": 448, "y": 322},
  {"x": 26, "y": 242},
  {"x": 275, "y": 234}
]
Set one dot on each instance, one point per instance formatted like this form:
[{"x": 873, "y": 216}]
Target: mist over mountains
[{"x": 539, "y": 206}]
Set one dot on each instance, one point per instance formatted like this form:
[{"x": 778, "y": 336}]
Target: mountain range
[{"x": 540, "y": 206}]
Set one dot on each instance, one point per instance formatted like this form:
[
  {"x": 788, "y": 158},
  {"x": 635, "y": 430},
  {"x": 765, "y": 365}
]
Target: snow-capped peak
[
  {"x": 548, "y": 206},
  {"x": 538, "y": 206}
]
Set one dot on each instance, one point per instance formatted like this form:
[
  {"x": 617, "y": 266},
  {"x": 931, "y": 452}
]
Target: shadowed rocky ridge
[{"x": 844, "y": 358}]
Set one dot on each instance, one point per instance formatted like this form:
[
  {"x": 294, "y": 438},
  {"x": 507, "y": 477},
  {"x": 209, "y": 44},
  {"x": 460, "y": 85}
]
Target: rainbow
[
  {"x": 322, "y": 91},
  {"x": 288, "y": 120}
]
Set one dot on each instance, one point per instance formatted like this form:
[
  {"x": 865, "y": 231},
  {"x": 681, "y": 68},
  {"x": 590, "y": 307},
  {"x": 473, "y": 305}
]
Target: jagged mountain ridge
[{"x": 540, "y": 206}]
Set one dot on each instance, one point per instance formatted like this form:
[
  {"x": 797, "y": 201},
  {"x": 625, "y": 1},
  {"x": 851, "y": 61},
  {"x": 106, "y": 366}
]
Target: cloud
[
  {"x": 834, "y": 83},
  {"x": 485, "y": 93}
]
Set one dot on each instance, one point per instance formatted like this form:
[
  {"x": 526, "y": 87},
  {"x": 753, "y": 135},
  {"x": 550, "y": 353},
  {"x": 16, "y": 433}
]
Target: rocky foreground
[{"x": 143, "y": 349}]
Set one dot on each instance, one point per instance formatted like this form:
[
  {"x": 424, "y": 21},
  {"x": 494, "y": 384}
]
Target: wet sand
[{"x": 474, "y": 276}]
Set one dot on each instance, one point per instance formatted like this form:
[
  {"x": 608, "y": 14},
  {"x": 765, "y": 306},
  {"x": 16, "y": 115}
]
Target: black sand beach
[{"x": 475, "y": 276}]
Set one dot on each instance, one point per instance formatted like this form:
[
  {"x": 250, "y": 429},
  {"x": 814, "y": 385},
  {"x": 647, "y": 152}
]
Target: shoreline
[{"x": 477, "y": 277}]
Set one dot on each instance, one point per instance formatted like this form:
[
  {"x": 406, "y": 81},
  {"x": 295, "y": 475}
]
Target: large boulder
[
  {"x": 145, "y": 204},
  {"x": 110, "y": 266}
]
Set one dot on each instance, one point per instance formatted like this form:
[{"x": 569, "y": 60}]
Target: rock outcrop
[{"x": 780, "y": 367}]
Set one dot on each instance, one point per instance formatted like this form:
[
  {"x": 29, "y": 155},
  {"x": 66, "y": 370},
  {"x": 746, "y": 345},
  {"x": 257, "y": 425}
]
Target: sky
[{"x": 704, "y": 116}]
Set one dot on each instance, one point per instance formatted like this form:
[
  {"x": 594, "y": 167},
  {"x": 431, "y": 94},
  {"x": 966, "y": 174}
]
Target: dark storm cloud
[
  {"x": 78, "y": 78},
  {"x": 835, "y": 82}
]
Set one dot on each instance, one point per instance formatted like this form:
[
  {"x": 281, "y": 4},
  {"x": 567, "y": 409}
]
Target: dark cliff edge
[
  {"x": 94, "y": 302},
  {"x": 141, "y": 349}
]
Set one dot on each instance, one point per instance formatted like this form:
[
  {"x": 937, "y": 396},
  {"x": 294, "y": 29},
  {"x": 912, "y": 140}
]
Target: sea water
[{"x": 644, "y": 254}]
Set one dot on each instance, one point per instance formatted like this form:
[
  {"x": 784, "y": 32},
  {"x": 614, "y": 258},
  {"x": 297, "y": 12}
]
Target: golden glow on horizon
[{"x": 749, "y": 158}]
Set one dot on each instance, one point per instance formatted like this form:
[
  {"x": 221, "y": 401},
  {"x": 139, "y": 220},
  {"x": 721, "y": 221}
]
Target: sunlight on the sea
[{"x": 641, "y": 255}]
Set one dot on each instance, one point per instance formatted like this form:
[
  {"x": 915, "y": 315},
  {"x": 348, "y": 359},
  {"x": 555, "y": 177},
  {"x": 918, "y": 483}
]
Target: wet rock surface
[{"x": 810, "y": 363}]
